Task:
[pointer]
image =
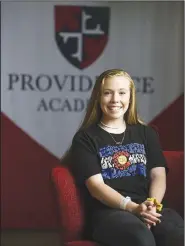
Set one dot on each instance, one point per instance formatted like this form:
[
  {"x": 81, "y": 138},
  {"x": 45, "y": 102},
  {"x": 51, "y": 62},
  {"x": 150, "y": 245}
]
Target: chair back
[
  {"x": 70, "y": 205},
  {"x": 175, "y": 180}
]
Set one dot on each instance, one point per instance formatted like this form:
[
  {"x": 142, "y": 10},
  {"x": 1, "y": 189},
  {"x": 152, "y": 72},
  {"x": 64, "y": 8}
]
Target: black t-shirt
[{"x": 124, "y": 167}]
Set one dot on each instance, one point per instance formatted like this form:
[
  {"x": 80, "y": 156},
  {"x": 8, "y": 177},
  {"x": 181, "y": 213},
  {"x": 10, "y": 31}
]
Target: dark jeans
[{"x": 121, "y": 228}]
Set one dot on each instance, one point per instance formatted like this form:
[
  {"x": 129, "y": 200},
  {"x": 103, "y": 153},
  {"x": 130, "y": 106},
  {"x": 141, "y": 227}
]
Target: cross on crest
[{"x": 81, "y": 33}]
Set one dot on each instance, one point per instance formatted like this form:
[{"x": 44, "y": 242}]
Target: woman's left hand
[{"x": 153, "y": 210}]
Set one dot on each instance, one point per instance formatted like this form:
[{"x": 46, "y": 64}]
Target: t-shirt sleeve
[
  {"x": 84, "y": 158},
  {"x": 155, "y": 157}
]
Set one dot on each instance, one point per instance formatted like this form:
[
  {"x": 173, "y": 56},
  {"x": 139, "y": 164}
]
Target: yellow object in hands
[{"x": 158, "y": 205}]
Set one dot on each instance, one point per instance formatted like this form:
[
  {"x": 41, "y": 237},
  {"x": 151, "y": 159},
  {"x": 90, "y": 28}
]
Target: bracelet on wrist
[
  {"x": 158, "y": 205},
  {"x": 124, "y": 202}
]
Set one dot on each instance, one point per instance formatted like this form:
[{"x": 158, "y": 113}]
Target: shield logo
[{"x": 81, "y": 33}]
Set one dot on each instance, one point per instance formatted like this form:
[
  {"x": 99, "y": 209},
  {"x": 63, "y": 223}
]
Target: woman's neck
[{"x": 113, "y": 126}]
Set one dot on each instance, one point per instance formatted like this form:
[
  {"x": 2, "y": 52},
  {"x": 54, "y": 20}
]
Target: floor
[{"x": 29, "y": 238}]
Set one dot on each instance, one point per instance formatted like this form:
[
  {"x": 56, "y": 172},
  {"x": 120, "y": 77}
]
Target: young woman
[{"x": 117, "y": 161}]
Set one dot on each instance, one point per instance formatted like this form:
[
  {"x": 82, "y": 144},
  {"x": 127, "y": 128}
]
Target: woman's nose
[{"x": 115, "y": 97}]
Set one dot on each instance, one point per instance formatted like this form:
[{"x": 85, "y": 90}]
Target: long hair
[{"x": 94, "y": 113}]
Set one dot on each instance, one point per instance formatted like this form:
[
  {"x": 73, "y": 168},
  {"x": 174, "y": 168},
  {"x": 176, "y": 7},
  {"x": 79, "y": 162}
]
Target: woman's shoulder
[
  {"x": 149, "y": 129},
  {"x": 86, "y": 133},
  {"x": 143, "y": 129},
  {"x": 85, "y": 138},
  {"x": 138, "y": 126}
]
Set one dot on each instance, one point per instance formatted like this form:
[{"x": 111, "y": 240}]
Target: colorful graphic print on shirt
[{"x": 123, "y": 160}]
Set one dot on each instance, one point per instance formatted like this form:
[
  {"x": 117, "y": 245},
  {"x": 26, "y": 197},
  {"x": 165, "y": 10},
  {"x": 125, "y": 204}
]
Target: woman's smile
[{"x": 114, "y": 108}]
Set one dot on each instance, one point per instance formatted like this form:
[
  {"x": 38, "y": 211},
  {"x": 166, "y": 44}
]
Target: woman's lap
[
  {"x": 122, "y": 228},
  {"x": 171, "y": 229}
]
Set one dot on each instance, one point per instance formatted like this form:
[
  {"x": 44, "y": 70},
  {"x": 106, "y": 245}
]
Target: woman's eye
[
  {"x": 106, "y": 93},
  {"x": 109, "y": 93}
]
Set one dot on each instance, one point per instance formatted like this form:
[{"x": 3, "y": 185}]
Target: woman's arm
[
  {"x": 157, "y": 183},
  {"x": 107, "y": 195},
  {"x": 110, "y": 197}
]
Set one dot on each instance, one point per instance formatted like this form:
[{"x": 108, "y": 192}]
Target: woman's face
[{"x": 115, "y": 97}]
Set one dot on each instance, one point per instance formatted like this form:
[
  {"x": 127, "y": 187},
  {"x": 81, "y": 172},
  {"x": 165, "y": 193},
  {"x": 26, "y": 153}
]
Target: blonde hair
[{"x": 93, "y": 114}]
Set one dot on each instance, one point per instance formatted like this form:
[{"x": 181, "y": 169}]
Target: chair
[
  {"x": 71, "y": 205},
  {"x": 71, "y": 209}
]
